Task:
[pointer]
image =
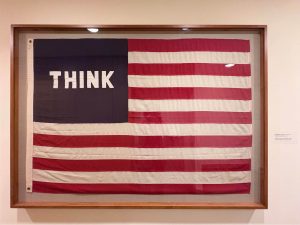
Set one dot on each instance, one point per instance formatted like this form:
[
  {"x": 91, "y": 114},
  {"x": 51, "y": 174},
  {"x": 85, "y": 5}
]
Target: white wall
[{"x": 283, "y": 20}]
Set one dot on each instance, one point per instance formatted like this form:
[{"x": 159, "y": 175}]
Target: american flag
[{"x": 178, "y": 120}]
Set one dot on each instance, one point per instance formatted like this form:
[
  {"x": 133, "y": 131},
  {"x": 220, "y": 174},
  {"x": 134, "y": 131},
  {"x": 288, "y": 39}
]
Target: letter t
[{"x": 55, "y": 75}]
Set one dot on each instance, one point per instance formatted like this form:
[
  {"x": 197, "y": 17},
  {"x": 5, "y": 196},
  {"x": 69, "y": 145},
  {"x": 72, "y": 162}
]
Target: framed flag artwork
[{"x": 139, "y": 116}]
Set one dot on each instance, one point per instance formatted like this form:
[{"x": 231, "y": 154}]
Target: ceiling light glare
[
  {"x": 93, "y": 30},
  {"x": 229, "y": 65},
  {"x": 185, "y": 29}
]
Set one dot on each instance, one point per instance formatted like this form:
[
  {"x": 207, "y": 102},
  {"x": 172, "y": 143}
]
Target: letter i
[{"x": 81, "y": 79}]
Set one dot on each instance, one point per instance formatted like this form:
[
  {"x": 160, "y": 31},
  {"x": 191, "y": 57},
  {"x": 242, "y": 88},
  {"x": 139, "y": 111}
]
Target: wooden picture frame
[{"x": 17, "y": 202}]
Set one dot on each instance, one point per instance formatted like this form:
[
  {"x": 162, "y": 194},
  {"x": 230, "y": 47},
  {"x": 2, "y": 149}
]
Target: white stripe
[
  {"x": 142, "y": 177},
  {"x": 137, "y": 129},
  {"x": 140, "y": 153},
  {"x": 137, "y": 105},
  {"x": 189, "y": 57},
  {"x": 29, "y": 108},
  {"x": 189, "y": 81}
]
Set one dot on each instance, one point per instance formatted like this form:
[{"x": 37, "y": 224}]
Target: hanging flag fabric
[{"x": 140, "y": 116}]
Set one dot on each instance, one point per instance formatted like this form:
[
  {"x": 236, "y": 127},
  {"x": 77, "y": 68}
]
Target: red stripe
[
  {"x": 141, "y": 141},
  {"x": 142, "y": 165},
  {"x": 192, "y": 44},
  {"x": 189, "y": 69},
  {"x": 189, "y": 93},
  {"x": 46, "y": 187},
  {"x": 190, "y": 117}
]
